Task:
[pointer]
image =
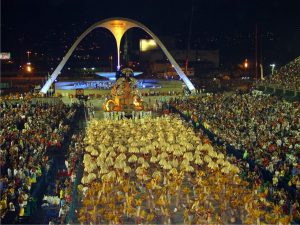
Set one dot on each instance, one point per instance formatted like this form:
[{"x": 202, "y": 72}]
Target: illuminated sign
[
  {"x": 4, "y": 55},
  {"x": 147, "y": 44}
]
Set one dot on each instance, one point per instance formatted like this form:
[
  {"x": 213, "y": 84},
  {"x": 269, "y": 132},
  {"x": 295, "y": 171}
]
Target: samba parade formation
[{"x": 141, "y": 171}]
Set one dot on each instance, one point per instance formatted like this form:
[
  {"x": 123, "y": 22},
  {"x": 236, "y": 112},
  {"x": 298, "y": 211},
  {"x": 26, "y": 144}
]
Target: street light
[
  {"x": 272, "y": 68},
  {"x": 28, "y": 67},
  {"x": 246, "y": 64}
]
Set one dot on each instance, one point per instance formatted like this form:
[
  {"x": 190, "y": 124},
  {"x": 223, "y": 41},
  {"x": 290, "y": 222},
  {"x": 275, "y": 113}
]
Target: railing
[
  {"x": 280, "y": 91},
  {"x": 75, "y": 205}
]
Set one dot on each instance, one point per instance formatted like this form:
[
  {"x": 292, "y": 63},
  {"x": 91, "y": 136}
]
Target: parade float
[{"x": 125, "y": 96}]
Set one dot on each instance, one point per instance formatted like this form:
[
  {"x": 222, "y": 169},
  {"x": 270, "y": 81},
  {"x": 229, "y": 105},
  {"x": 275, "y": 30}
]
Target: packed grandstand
[{"x": 287, "y": 77}]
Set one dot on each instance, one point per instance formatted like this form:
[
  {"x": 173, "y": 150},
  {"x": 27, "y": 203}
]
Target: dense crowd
[
  {"x": 73, "y": 160},
  {"x": 20, "y": 96},
  {"x": 28, "y": 131},
  {"x": 287, "y": 76},
  {"x": 62, "y": 196},
  {"x": 266, "y": 128},
  {"x": 254, "y": 177}
]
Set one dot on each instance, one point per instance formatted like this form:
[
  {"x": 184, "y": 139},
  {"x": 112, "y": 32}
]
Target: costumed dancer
[
  {"x": 141, "y": 114},
  {"x": 111, "y": 115},
  {"x": 119, "y": 115},
  {"x": 115, "y": 115}
]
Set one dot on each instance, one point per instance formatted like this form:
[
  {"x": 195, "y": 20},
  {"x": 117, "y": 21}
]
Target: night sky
[{"x": 32, "y": 20}]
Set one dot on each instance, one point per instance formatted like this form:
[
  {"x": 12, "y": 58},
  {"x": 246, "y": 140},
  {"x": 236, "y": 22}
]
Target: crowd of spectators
[
  {"x": 27, "y": 132},
  {"x": 287, "y": 77},
  {"x": 73, "y": 160},
  {"x": 20, "y": 96},
  {"x": 265, "y": 128},
  {"x": 254, "y": 177},
  {"x": 65, "y": 181}
]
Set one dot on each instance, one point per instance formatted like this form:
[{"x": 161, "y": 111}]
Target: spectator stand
[
  {"x": 63, "y": 177},
  {"x": 50, "y": 210},
  {"x": 76, "y": 201},
  {"x": 47, "y": 187},
  {"x": 287, "y": 78},
  {"x": 33, "y": 172},
  {"x": 266, "y": 175}
]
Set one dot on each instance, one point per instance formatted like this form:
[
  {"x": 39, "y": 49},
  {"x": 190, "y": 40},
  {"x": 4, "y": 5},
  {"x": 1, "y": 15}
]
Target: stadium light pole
[
  {"x": 272, "y": 68},
  {"x": 111, "y": 66},
  {"x": 28, "y": 56}
]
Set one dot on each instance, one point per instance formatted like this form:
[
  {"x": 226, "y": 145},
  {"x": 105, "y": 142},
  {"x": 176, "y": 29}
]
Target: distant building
[{"x": 158, "y": 63}]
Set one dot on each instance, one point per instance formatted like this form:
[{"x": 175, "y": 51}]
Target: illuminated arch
[{"x": 117, "y": 26}]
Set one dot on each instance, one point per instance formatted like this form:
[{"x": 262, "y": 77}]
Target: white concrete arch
[{"x": 118, "y": 26}]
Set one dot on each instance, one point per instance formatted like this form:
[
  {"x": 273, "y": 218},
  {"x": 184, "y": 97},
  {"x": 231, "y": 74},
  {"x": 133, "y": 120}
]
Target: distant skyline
[{"x": 32, "y": 22}]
